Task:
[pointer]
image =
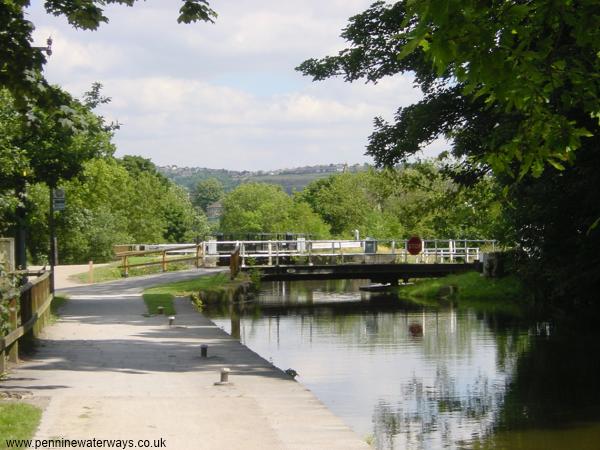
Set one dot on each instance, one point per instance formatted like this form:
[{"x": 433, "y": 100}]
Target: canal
[{"x": 440, "y": 375}]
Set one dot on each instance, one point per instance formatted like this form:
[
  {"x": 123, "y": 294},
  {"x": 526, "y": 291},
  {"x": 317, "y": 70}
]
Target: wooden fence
[
  {"x": 29, "y": 312},
  {"x": 163, "y": 258}
]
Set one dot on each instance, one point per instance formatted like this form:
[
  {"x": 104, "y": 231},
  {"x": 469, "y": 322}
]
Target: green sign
[{"x": 58, "y": 199}]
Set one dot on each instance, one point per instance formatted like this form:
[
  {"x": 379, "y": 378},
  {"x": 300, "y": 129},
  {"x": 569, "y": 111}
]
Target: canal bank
[{"x": 110, "y": 371}]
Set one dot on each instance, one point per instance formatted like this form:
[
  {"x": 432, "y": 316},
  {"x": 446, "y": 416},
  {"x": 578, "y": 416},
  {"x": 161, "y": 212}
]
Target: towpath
[{"x": 108, "y": 371}]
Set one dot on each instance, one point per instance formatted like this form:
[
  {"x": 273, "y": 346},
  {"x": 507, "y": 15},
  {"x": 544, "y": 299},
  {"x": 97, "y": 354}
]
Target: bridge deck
[{"x": 388, "y": 273}]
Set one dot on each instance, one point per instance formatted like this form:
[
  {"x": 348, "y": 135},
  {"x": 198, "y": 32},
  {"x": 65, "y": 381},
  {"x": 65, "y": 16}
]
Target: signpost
[
  {"x": 57, "y": 203},
  {"x": 414, "y": 245}
]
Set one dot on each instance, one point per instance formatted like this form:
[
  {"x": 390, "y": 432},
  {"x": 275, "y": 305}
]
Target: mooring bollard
[
  {"x": 224, "y": 377},
  {"x": 204, "y": 350},
  {"x": 171, "y": 320},
  {"x": 160, "y": 310}
]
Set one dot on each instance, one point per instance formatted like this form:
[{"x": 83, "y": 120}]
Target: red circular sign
[{"x": 414, "y": 245}]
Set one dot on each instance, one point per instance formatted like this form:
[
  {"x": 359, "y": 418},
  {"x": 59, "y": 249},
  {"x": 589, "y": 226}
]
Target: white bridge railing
[{"x": 276, "y": 252}]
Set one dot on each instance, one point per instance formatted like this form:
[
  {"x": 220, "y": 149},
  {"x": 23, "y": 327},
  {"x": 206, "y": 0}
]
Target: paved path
[{"x": 110, "y": 372}]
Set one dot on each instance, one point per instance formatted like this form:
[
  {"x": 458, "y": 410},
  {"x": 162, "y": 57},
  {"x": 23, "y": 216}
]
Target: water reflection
[{"x": 421, "y": 377}]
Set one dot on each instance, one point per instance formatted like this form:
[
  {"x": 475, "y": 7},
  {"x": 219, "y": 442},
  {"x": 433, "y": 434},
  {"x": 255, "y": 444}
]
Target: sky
[{"x": 224, "y": 95}]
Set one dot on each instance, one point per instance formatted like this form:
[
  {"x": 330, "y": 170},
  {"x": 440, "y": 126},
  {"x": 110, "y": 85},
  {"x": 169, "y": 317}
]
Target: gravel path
[{"x": 108, "y": 371}]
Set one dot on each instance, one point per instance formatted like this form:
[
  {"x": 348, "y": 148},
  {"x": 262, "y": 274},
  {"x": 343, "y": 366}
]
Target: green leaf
[
  {"x": 556, "y": 164},
  {"x": 593, "y": 226}
]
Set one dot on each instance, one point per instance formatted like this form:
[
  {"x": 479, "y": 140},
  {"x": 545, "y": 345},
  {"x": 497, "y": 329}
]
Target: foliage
[
  {"x": 108, "y": 205},
  {"x": 137, "y": 165},
  {"x": 21, "y": 63},
  {"x": 7, "y": 292},
  {"x": 537, "y": 60},
  {"x": 559, "y": 248},
  {"x": 415, "y": 199},
  {"x": 343, "y": 202},
  {"x": 395, "y": 203},
  {"x": 55, "y": 147},
  {"x": 206, "y": 192},
  {"x": 265, "y": 208}
]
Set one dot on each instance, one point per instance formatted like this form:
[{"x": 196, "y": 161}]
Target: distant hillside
[{"x": 290, "y": 179}]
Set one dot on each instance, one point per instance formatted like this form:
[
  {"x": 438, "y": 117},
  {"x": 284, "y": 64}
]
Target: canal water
[{"x": 440, "y": 375}]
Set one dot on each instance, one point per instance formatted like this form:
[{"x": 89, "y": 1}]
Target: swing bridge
[{"x": 303, "y": 259}]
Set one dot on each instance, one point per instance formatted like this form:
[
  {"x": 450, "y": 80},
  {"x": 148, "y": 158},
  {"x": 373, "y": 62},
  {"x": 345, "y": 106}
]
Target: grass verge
[
  {"x": 163, "y": 295},
  {"x": 153, "y": 301},
  {"x": 503, "y": 296},
  {"x": 18, "y": 421},
  {"x": 469, "y": 286}
]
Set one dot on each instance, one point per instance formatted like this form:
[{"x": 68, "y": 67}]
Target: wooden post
[
  {"x": 277, "y": 253},
  {"x": 164, "y": 261},
  {"x": 44, "y": 294},
  {"x": 309, "y": 245},
  {"x": 13, "y": 353},
  {"x": 2, "y": 362},
  {"x": 34, "y": 308},
  {"x": 203, "y": 254},
  {"x": 125, "y": 266},
  {"x": 91, "y": 272},
  {"x": 197, "y": 255},
  {"x": 234, "y": 262}
]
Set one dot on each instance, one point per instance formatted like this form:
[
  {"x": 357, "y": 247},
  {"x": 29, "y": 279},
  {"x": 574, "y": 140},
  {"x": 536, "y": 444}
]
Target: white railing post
[
  {"x": 270, "y": 248},
  {"x": 332, "y": 252}
]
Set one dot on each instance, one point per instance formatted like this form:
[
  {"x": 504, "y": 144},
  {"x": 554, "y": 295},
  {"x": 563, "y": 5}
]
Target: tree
[
  {"x": 55, "y": 148},
  {"x": 266, "y": 208},
  {"x": 183, "y": 222},
  {"x": 525, "y": 73},
  {"x": 342, "y": 201},
  {"x": 108, "y": 205},
  {"x": 52, "y": 149},
  {"x": 137, "y": 165},
  {"x": 255, "y": 208},
  {"x": 21, "y": 63},
  {"x": 206, "y": 192},
  {"x": 397, "y": 203},
  {"x": 515, "y": 87}
]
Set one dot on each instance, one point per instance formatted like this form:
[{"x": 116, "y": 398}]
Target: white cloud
[{"x": 224, "y": 95}]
